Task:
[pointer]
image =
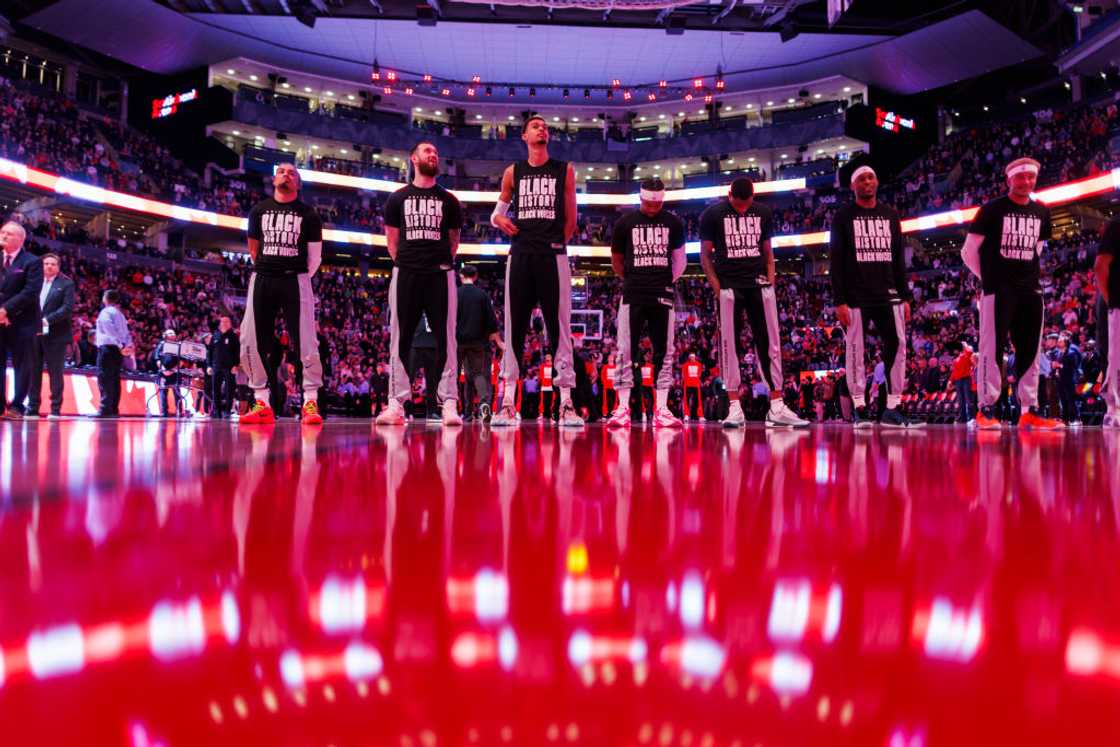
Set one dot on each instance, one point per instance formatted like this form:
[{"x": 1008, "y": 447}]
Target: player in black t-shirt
[
  {"x": 1108, "y": 283},
  {"x": 422, "y": 224},
  {"x": 286, "y": 245},
  {"x": 542, "y": 192},
  {"x": 736, "y": 256},
  {"x": 868, "y": 271},
  {"x": 1002, "y": 249},
  {"x": 647, "y": 252}
]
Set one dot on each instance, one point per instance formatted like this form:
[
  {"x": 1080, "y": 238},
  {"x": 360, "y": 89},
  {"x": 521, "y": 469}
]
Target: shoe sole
[{"x": 732, "y": 426}]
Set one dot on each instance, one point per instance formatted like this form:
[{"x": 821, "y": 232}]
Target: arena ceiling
[{"x": 531, "y": 45}]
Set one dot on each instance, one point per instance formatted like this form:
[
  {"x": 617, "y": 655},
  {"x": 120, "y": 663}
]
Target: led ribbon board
[
  {"x": 169, "y": 105},
  {"x": 23, "y": 174}
]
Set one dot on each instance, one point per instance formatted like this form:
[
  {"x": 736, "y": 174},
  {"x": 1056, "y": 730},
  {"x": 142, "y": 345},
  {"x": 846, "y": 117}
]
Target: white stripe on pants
[
  {"x": 897, "y": 375},
  {"x": 564, "y": 358},
  {"x": 625, "y": 368},
  {"x": 728, "y": 347},
  {"x": 1112, "y": 373},
  {"x": 989, "y": 379},
  {"x": 665, "y": 375},
  {"x": 400, "y": 384},
  {"x": 449, "y": 380},
  {"x": 855, "y": 358}
]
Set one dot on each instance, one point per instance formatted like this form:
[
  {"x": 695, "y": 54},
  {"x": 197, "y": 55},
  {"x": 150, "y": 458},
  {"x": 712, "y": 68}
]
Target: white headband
[
  {"x": 860, "y": 170},
  {"x": 649, "y": 195},
  {"x": 1021, "y": 168}
]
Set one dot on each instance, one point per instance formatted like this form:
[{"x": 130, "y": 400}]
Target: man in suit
[
  {"x": 56, "y": 304},
  {"x": 224, "y": 355},
  {"x": 21, "y": 278}
]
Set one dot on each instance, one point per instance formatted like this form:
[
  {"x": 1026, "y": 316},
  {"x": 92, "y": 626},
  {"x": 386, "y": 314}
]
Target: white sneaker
[
  {"x": 393, "y": 414},
  {"x": 780, "y": 416},
  {"x": 664, "y": 418},
  {"x": 569, "y": 418},
  {"x": 620, "y": 418},
  {"x": 735, "y": 418},
  {"x": 1111, "y": 420},
  {"x": 507, "y": 416},
  {"x": 451, "y": 413}
]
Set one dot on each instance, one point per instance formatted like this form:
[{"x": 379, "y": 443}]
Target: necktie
[{"x": 7, "y": 261}]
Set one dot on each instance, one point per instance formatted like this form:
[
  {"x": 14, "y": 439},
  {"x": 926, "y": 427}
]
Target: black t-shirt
[
  {"x": 738, "y": 239},
  {"x": 867, "y": 257},
  {"x": 539, "y": 207},
  {"x": 284, "y": 230},
  {"x": 647, "y": 244},
  {"x": 425, "y": 218},
  {"x": 1009, "y": 254},
  {"x": 1110, "y": 246}
]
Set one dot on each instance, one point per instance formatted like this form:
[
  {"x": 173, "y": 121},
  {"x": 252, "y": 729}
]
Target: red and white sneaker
[
  {"x": 310, "y": 413},
  {"x": 1034, "y": 421},
  {"x": 260, "y": 414},
  {"x": 393, "y": 414},
  {"x": 664, "y": 418},
  {"x": 620, "y": 418}
]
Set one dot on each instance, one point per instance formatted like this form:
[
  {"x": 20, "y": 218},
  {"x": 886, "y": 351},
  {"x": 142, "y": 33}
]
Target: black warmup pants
[
  {"x": 222, "y": 386},
  {"x": 21, "y": 347},
  {"x": 412, "y": 295},
  {"x": 109, "y": 360},
  {"x": 1018, "y": 315},
  {"x": 889, "y": 321},
  {"x": 761, "y": 309},
  {"x": 272, "y": 297},
  {"x": 634, "y": 320},
  {"x": 476, "y": 371},
  {"x": 545, "y": 280},
  {"x": 52, "y": 351}
]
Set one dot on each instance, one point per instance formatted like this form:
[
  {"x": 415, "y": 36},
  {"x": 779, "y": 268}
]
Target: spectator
[{"x": 20, "y": 283}]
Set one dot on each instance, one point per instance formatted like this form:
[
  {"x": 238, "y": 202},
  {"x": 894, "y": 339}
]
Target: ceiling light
[
  {"x": 231, "y": 71},
  {"x": 790, "y": 100},
  {"x": 314, "y": 147},
  {"x": 657, "y": 167},
  {"x": 684, "y": 165},
  {"x": 344, "y": 151},
  {"x": 575, "y": 119},
  {"x": 350, "y": 96},
  {"x": 594, "y": 119},
  {"x": 396, "y": 159},
  {"x": 419, "y": 108},
  {"x": 478, "y": 116},
  {"x": 608, "y": 169},
  {"x": 286, "y": 85},
  {"x": 816, "y": 95},
  {"x": 680, "y": 114},
  {"x": 985, "y": 107},
  {"x": 843, "y": 147},
  {"x": 784, "y": 156},
  {"x": 253, "y": 77},
  {"x": 307, "y": 89},
  {"x": 237, "y": 132},
  {"x": 643, "y": 119},
  {"x": 751, "y": 159},
  {"x": 661, "y": 116},
  {"x": 699, "y": 111},
  {"x": 437, "y": 112},
  {"x": 819, "y": 151},
  {"x": 750, "y": 106},
  {"x": 556, "y": 119},
  {"x": 769, "y": 103},
  {"x": 731, "y": 160},
  {"x": 330, "y": 93},
  {"x": 727, "y": 108},
  {"x": 511, "y": 118},
  {"x": 847, "y": 89},
  {"x": 637, "y": 168},
  {"x": 590, "y": 168}
]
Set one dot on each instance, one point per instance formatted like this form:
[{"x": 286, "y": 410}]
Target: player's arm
[
  {"x": 771, "y": 270},
  {"x": 314, "y": 256},
  {"x": 618, "y": 249},
  {"x": 680, "y": 261},
  {"x": 970, "y": 252},
  {"x": 707, "y": 251},
  {"x": 453, "y": 238},
  {"x": 392, "y": 238},
  {"x": 571, "y": 216},
  {"x": 1102, "y": 267},
  {"x": 499, "y": 219},
  {"x": 836, "y": 275},
  {"x": 254, "y": 248}
]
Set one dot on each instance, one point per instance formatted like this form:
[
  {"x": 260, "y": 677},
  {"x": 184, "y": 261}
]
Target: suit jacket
[
  {"x": 19, "y": 292},
  {"x": 59, "y": 307}
]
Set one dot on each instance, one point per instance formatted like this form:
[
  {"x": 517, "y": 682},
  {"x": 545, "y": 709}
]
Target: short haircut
[
  {"x": 52, "y": 255},
  {"x": 530, "y": 119},
  {"x": 417, "y": 146},
  {"x": 111, "y": 296},
  {"x": 468, "y": 271},
  {"x": 19, "y": 229},
  {"x": 653, "y": 184},
  {"x": 742, "y": 188}
]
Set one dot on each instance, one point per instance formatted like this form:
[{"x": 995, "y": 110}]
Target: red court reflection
[{"x": 194, "y": 584}]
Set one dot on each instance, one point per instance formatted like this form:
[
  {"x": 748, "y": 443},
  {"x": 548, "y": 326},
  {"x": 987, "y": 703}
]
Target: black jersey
[
  {"x": 1110, "y": 246},
  {"x": 867, "y": 257},
  {"x": 1009, "y": 254},
  {"x": 425, "y": 218},
  {"x": 284, "y": 230},
  {"x": 539, "y": 207},
  {"x": 647, "y": 245},
  {"x": 738, "y": 239}
]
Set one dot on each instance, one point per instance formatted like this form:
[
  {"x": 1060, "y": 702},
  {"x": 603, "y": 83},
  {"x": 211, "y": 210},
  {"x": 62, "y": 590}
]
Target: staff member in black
[
  {"x": 56, "y": 302},
  {"x": 476, "y": 327},
  {"x": 868, "y": 271},
  {"x": 21, "y": 279},
  {"x": 1002, "y": 249},
  {"x": 1108, "y": 281},
  {"x": 286, "y": 245},
  {"x": 542, "y": 192},
  {"x": 223, "y": 354},
  {"x": 167, "y": 368},
  {"x": 736, "y": 256},
  {"x": 647, "y": 252},
  {"x": 422, "y": 224}
]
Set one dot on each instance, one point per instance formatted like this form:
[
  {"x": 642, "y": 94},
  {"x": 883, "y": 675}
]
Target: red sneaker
[
  {"x": 261, "y": 414},
  {"x": 1038, "y": 423},
  {"x": 985, "y": 423},
  {"x": 310, "y": 414}
]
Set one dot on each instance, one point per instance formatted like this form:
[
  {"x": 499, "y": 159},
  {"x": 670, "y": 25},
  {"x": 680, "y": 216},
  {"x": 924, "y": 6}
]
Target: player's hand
[
  {"x": 505, "y": 225},
  {"x": 715, "y": 285},
  {"x": 906, "y": 311},
  {"x": 844, "y": 315},
  {"x": 127, "y": 351}
]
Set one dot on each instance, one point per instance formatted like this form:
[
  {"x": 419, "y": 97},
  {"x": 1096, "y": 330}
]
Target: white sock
[
  {"x": 661, "y": 398},
  {"x": 261, "y": 395},
  {"x": 623, "y": 398},
  {"x": 736, "y": 406},
  {"x": 310, "y": 397}
]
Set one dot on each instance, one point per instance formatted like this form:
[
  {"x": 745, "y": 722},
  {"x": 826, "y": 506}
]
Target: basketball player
[
  {"x": 647, "y": 252},
  {"x": 422, "y": 224},
  {"x": 286, "y": 246},
  {"x": 543, "y": 194},
  {"x": 1108, "y": 283},
  {"x": 736, "y": 256},
  {"x": 868, "y": 269},
  {"x": 1002, "y": 250},
  {"x": 693, "y": 402}
]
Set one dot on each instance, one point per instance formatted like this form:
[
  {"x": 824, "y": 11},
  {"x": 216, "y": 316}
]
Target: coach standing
[
  {"x": 114, "y": 344},
  {"x": 21, "y": 278},
  {"x": 56, "y": 303}
]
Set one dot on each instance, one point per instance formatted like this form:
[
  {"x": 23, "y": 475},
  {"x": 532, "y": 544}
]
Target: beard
[{"x": 427, "y": 168}]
